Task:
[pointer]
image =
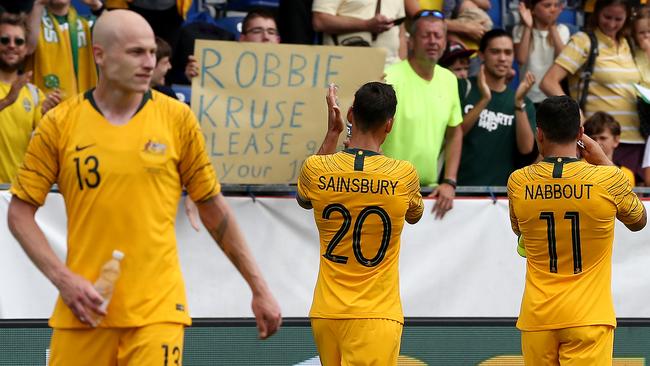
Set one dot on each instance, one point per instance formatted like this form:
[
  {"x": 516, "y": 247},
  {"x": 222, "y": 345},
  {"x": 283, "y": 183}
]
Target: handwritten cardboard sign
[{"x": 262, "y": 107}]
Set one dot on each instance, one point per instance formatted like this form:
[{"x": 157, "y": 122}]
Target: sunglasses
[
  {"x": 5, "y": 40},
  {"x": 429, "y": 13}
]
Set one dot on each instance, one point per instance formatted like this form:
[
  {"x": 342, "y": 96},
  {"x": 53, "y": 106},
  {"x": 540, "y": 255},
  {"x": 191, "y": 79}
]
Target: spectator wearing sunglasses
[
  {"x": 428, "y": 109},
  {"x": 21, "y": 103},
  {"x": 360, "y": 23},
  {"x": 62, "y": 59}
]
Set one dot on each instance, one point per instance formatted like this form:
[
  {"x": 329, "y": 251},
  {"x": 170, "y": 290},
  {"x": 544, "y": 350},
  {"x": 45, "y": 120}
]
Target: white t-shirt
[
  {"x": 364, "y": 9},
  {"x": 541, "y": 56}
]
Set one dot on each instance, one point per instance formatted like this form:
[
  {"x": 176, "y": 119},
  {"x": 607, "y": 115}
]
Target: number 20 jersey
[
  {"x": 121, "y": 186},
  {"x": 565, "y": 210},
  {"x": 360, "y": 201}
]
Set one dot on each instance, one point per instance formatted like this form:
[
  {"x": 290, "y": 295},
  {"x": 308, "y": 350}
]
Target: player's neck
[
  {"x": 560, "y": 150},
  {"x": 115, "y": 105},
  {"x": 364, "y": 142}
]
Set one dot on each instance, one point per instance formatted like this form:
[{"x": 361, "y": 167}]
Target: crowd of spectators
[{"x": 471, "y": 126}]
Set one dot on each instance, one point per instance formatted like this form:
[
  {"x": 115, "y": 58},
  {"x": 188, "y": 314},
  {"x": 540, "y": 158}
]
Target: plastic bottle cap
[{"x": 118, "y": 255}]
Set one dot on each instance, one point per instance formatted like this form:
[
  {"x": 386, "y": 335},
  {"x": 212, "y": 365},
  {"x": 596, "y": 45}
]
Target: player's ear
[
  {"x": 389, "y": 124},
  {"x": 350, "y": 115},
  {"x": 581, "y": 131},
  {"x": 539, "y": 135},
  {"x": 617, "y": 140}
]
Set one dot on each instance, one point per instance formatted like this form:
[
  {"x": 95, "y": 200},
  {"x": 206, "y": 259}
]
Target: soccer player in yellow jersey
[
  {"x": 564, "y": 209},
  {"x": 360, "y": 200},
  {"x": 120, "y": 155}
]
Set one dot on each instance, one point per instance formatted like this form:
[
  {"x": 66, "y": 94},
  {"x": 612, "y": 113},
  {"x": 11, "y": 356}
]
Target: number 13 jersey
[
  {"x": 121, "y": 185},
  {"x": 360, "y": 201},
  {"x": 565, "y": 210}
]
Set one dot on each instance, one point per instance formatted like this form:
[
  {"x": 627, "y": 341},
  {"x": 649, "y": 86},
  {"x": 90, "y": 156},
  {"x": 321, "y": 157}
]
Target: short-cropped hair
[
  {"x": 374, "y": 104},
  {"x": 559, "y": 118}
]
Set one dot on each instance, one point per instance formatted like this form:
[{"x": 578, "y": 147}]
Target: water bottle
[{"x": 106, "y": 282}]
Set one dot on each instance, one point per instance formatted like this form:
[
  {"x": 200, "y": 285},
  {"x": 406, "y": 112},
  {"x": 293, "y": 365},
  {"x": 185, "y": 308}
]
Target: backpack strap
[{"x": 588, "y": 71}]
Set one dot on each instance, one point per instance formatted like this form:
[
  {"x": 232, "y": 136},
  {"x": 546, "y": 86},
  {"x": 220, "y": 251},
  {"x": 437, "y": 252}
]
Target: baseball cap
[{"x": 454, "y": 51}]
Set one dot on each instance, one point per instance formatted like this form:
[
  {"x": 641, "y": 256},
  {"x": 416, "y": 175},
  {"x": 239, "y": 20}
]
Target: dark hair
[
  {"x": 374, "y": 103},
  {"x": 15, "y": 20},
  {"x": 599, "y": 122},
  {"x": 256, "y": 13},
  {"x": 162, "y": 49},
  {"x": 490, "y": 35},
  {"x": 559, "y": 118},
  {"x": 601, "y": 4}
]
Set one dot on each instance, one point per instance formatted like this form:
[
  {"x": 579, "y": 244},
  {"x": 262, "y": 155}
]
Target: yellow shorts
[
  {"x": 357, "y": 341},
  {"x": 152, "y": 345},
  {"x": 589, "y": 345}
]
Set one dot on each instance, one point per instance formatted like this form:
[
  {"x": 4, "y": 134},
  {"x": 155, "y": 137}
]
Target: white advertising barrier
[{"x": 462, "y": 266}]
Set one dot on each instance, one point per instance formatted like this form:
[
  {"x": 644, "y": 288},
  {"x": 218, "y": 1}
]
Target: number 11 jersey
[
  {"x": 565, "y": 210},
  {"x": 360, "y": 201}
]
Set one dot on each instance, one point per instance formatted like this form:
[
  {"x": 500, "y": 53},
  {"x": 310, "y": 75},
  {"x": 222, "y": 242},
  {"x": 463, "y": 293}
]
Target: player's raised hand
[
  {"x": 335, "y": 122},
  {"x": 267, "y": 314},
  {"x": 81, "y": 297},
  {"x": 592, "y": 151},
  {"x": 444, "y": 195}
]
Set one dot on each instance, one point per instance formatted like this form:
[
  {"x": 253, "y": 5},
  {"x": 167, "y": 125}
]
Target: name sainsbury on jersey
[{"x": 360, "y": 185}]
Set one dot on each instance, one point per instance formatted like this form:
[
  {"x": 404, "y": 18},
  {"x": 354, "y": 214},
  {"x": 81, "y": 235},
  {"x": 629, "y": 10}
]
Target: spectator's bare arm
[
  {"x": 33, "y": 22},
  {"x": 336, "y": 24},
  {"x": 550, "y": 84},
  {"x": 445, "y": 192},
  {"x": 524, "y": 134},
  {"x": 471, "y": 29},
  {"x": 469, "y": 119}
]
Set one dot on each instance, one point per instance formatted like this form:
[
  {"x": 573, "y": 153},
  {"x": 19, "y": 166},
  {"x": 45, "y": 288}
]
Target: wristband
[{"x": 449, "y": 181}]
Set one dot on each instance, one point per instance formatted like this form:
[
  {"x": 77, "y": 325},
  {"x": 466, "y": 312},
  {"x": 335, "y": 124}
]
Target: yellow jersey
[
  {"x": 17, "y": 122},
  {"x": 360, "y": 201},
  {"x": 121, "y": 185},
  {"x": 565, "y": 209}
]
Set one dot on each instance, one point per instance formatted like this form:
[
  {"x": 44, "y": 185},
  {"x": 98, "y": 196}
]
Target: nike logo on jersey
[{"x": 79, "y": 148}]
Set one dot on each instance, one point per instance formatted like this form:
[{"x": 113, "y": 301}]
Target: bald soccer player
[{"x": 120, "y": 155}]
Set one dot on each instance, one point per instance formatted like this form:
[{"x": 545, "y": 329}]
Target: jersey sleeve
[
  {"x": 326, "y": 6},
  {"x": 416, "y": 204},
  {"x": 40, "y": 167},
  {"x": 513, "y": 185},
  {"x": 629, "y": 208},
  {"x": 303, "y": 192},
  {"x": 574, "y": 55},
  {"x": 196, "y": 171}
]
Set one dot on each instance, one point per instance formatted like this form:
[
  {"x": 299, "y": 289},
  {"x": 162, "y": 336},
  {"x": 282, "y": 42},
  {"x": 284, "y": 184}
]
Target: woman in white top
[{"x": 538, "y": 40}]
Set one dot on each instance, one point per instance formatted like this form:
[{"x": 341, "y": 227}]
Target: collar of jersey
[
  {"x": 560, "y": 159},
  {"x": 89, "y": 95},
  {"x": 355, "y": 151}
]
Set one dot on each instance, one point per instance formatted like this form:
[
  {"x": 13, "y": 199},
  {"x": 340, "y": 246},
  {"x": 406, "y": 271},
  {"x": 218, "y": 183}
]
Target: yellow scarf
[{"x": 52, "y": 62}]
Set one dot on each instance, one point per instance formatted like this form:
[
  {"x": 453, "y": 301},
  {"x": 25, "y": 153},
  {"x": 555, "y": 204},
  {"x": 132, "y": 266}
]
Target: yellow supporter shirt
[
  {"x": 612, "y": 83},
  {"x": 17, "y": 122},
  {"x": 360, "y": 201},
  {"x": 121, "y": 186},
  {"x": 565, "y": 211}
]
